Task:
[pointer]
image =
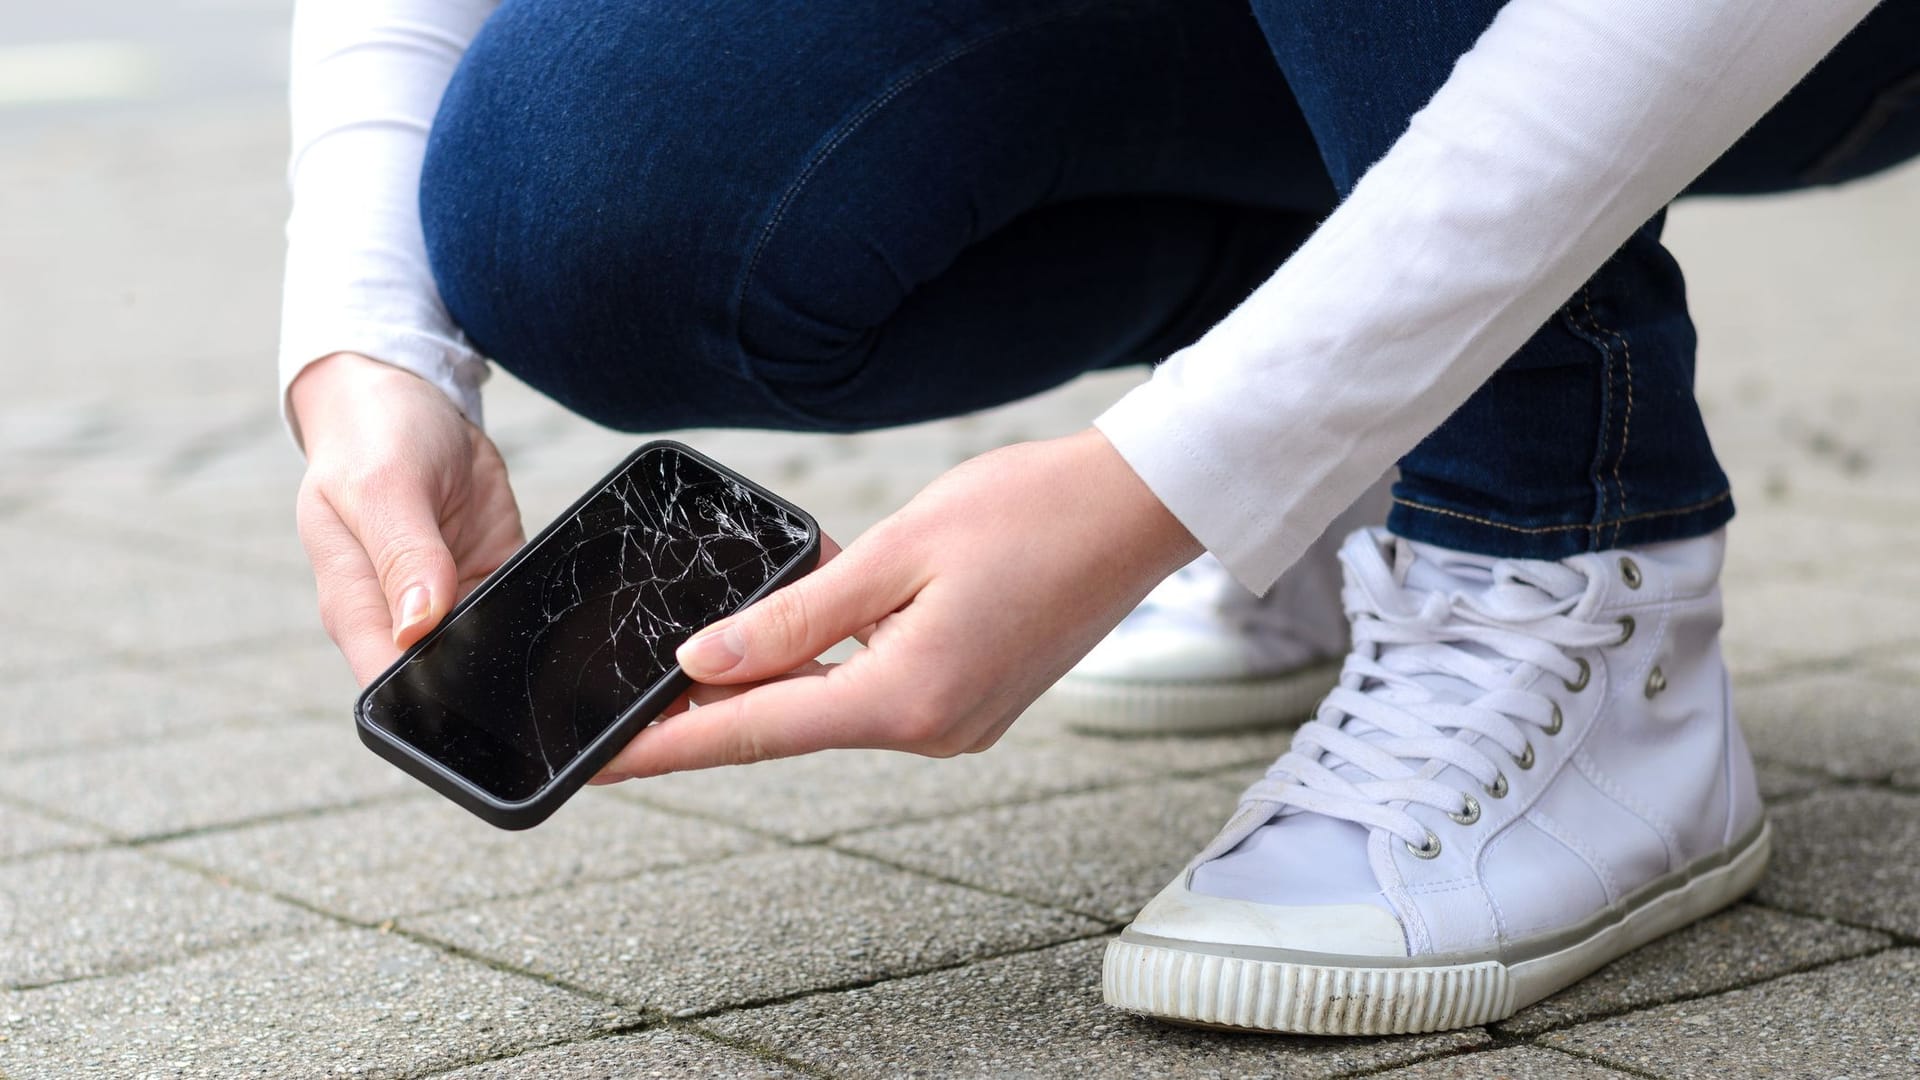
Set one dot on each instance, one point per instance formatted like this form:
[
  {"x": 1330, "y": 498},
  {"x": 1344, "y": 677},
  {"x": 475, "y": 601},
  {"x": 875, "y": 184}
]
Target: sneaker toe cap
[{"x": 1181, "y": 915}]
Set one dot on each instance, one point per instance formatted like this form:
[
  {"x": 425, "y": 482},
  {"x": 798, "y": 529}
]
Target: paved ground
[{"x": 202, "y": 873}]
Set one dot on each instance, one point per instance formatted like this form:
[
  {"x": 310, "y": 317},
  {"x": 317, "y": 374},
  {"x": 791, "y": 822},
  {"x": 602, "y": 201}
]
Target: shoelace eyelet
[
  {"x": 1626, "y": 629},
  {"x": 1429, "y": 850},
  {"x": 1470, "y": 815},
  {"x": 1525, "y": 760},
  {"x": 1498, "y": 789},
  {"x": 1630, "y": 572},
  {"x": 1558, "y": 722},
  {"x": 1656, "y": 682},
  {"x": 1586, "y": 672}
]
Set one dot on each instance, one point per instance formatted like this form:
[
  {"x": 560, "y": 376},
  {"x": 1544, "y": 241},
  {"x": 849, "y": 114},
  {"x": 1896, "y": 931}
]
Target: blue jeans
[{"x": 855, "y": 214}]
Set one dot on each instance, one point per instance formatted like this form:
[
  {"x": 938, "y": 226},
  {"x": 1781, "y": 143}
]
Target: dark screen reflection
[{"x": 516, "y": 685}]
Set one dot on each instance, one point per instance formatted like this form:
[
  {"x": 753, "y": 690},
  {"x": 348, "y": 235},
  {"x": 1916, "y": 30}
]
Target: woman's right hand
[{"x": 404, "y": 508}]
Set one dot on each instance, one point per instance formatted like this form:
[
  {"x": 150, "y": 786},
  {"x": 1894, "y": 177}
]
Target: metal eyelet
[
  {"x": 1586, "y": 671},
  {"x": 1656, "y": 682},
  {"x": 1498, "y": 789},
  {"x": 1626, "y": 629},
  {"x": 1630, "y": 572},
  {"x": 1559, "y": 721},
  {"x": 1470, "y": 815},
  {"x": 1429, "y": 850},
  {"x": 1525, "y": 760}
]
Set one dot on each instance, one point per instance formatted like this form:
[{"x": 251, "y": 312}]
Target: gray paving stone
[
  {"x": 1038, "y": 1014},
  {"x": 1849, "y": 855},
  {"x": 155, "y": 789},
  {"x": 630, "y": 1057},
  {"x": 1778, "y": 782},
  {"x": 1104, "y": 853},
  {"x": 310, "y": 677},
  {"x": 1738, "y": 946},
  {"x": 30, "y": 649},
  {"x": 1510, "y": 1063},
  {"x": 748, "y": 929},
  {"x": 1848, "y": 725},
  {"x": 92, "y": 912},
  {"x": 130, "y": 600},
  {"x": 878, "y": 787},
  {"x": 1772, "y": 544},
  {"x": 22, "y": 833},
  {"x": 107, "y": 706},
  {"x": 349, "y": 1003},
  {"x": 1855, "y": 1019},
  {"x": 1774, "y": 622},
  {"x": 418, "y": 855},
  {"x": 1244, "y": 754}
]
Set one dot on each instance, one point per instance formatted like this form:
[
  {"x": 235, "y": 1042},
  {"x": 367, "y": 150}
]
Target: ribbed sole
[
  {"x": 1159, "y": 707},
  {"x": 1201, "y": 988},
  {"x": 1206, "y": 988}
]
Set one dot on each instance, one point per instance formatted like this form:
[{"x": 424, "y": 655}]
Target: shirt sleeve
[
  {"x": 366, "y": 79},
  {"x": 1565, "y": 127}
]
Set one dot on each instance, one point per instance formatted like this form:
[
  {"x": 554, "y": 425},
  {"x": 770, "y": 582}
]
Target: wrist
[
  {"x": 1156, "y": 540},
  {"x": 343, "y": 385}
]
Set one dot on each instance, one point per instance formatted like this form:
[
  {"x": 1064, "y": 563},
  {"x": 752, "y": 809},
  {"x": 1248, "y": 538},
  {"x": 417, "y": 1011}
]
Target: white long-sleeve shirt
[{"x": 1566, "y": 126}]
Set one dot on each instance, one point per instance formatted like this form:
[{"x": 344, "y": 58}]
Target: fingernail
[
  {"x": 714, "y": 651},
  {"x": 414, "y": 606}
]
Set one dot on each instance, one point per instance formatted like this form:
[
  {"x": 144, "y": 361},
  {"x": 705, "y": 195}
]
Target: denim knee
[{"x": 586, "y": 218}]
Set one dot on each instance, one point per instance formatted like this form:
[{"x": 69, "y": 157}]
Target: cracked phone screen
[{"x": 519, "y": 683}]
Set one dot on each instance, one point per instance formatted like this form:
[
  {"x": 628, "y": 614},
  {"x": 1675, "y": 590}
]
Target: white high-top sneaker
[
  {"x": 1201, "y": 654},
  {"x": 1529, "y": 768}
]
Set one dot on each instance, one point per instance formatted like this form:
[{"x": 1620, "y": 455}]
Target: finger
[
  {"x": 704, "y": 694},
  {"x": 848, "y": 593},
  {"x": 772, "y": 720},
  {"x": 352, "y": 608},
  {"x": 397, "y": 526}
]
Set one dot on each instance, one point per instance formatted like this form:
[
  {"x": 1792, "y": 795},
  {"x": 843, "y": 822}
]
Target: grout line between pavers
[
  {"x": 1594, "y": 1059},
  {"x": 1207, "y": 772},
  {"x": 696, "y": 1015},
  {"x": 1900, "y": 938},
  {"x": 264, "y": 936},
  {"x": 1681, "y": 999},
  {"x": 513, "y": 1052},
  {"x": 1105, "y": 920},
  {"x": 244, "y": 722}
]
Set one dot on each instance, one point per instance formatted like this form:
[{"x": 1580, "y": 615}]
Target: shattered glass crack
[{"x": 549, "y": 656}]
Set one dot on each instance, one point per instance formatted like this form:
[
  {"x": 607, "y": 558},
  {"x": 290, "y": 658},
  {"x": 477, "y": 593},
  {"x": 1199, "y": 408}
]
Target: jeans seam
[
  {"x": 1626, "y": 415},
  {"x": 1619, "y": 485},
  {"x": 1589, "y": 527},
  {"x": 858, "y": 120}
]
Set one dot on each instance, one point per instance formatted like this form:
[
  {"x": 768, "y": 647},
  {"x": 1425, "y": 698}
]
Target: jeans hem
[{"x": 1463, "y": 531}]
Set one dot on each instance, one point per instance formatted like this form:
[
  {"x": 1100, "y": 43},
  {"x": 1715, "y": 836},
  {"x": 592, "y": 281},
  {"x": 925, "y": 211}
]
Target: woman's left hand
[{"x": 971, "y": 600}]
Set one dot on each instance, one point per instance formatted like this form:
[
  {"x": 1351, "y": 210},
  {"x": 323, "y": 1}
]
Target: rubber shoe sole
[
  {"x": 1162, "y": 707},
  {"x": 1224, "y": 986}
]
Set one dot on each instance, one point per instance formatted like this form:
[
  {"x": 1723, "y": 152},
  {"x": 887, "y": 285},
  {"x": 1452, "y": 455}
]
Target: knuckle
[
  {"x": 926, "y": 727},
  {"x": 787, "y": 619}
]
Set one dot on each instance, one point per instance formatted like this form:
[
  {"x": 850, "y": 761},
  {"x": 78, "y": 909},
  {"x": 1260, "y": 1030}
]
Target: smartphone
[{"x": 545, "y": 671}]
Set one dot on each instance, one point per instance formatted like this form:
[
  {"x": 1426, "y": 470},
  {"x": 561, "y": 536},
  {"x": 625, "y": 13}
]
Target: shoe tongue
[
  {"x": 1428, "y": 569},
  {"x": 1433, "y": 569}
]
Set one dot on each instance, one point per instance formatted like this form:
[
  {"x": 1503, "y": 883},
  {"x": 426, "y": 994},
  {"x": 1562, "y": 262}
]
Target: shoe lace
[{"x": 1434, "y": 680}]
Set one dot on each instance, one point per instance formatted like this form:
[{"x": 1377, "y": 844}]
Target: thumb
[
  {"x": 401, "y": 535},
  {"x": 787, "y": 628}
]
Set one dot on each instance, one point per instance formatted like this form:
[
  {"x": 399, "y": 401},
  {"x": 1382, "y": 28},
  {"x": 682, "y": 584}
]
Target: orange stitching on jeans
[{"x": 1535, "y": 529}]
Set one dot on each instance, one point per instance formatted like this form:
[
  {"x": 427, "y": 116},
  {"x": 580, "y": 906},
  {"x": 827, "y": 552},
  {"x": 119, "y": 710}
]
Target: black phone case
[{"x": 536, "y": 808}]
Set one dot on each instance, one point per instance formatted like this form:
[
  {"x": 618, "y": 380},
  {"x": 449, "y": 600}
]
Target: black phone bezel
[{"x": 531, "y": 811}]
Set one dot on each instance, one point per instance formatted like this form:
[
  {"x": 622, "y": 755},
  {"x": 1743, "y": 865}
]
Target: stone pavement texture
[{"x": 203, "y": 874}]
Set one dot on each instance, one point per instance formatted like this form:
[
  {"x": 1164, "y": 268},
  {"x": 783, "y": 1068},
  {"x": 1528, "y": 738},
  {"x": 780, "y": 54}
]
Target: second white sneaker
[
  {"x": 1201, "y": 654},
  {"x": 1529, "y": 768}
]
